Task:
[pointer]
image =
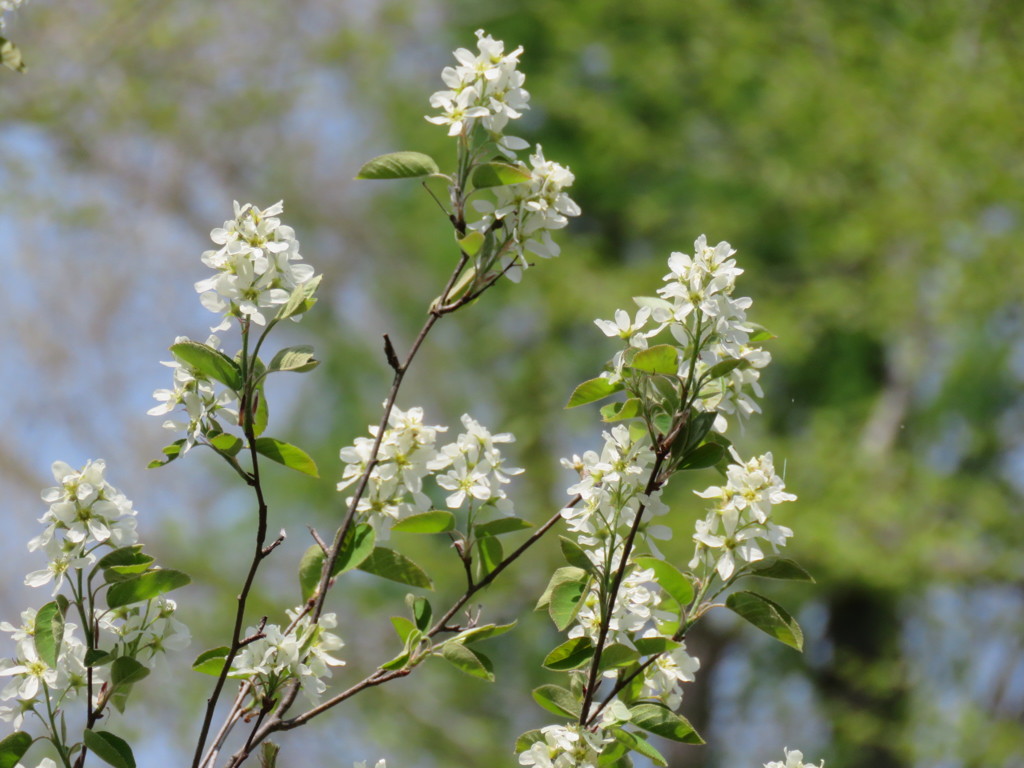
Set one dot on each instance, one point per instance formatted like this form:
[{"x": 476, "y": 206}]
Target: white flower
[
  {"x": 662, "y": 679},
  {"x": 794, "y": 759},
  {"x": 30, "y": 673},
  {"x": 564, "y": 747},
  {"x": 256, "y": 266},
  {"x": 362, "y": 764}
]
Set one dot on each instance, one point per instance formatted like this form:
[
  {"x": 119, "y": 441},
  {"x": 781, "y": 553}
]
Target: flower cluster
[
  {"x": 564, "y": 746},
  {"x": 529, "y": 211},
  {"x": 204, "y": 401},
  {"x": 146, "y": 628},
  {"x": 476, "y": 469},
  {"x": 485, "y": 88},
  {"x": 741, "y": 514},
  {"x": 85, "y": 512},
  {"x": 32, "y": 678},
  {"x": 794, "y": 759},
  {"x": 709, "y": 326},
  {"x": 301, "y": 651},
  {"x": 257, "y": 269}
]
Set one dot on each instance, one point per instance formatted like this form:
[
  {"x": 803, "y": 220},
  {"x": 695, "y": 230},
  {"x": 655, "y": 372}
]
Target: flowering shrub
[{"x": 687, "y": 369}]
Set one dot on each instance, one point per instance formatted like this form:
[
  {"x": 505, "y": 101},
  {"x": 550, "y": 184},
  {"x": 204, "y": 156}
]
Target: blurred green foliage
[{"x": 864, "y": 158}]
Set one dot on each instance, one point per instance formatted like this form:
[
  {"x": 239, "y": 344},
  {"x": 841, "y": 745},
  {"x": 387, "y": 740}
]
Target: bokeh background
[{"x": 866, "y": 159}]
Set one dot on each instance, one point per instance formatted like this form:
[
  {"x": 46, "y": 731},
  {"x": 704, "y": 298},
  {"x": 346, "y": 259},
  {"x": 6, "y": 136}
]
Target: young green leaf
[
  {"x": 575, "y": 556},
  {"x": 94, "y": 657},
  {"x": 125, "y": 671},
  {"x": 556, "y": 699},
  {"x": 718, "y": 370},
  {"x": 210, "y": 362},
  {"x": 499, "y": 175},
  {"x": 145, "y": 587},
  {"x": 227, "y": 444},
  {"x": 528, "y": 739},
  {"x": 491, "y": 554},
  {"x": 648, "y": 646},
  {"x": 702, "y": 457},
  {"x": 561, "y": 575},
  {"x": 49, "y": 633},
  {"x": 171, "y": 451},
  {"x": 434, "y": 521},
  {"x": 565, "y": 602},
  {"x": 109, "y": 748},
  {"x": 669, "y": 578},
  {"x": 662, "y": 721},
  {"x": 485, "y": 632},
  {"x": 639, "y": 745},
  {"x": 471, "y": 662},
  {"x": 629, "y": 409},
  {"x": 471, "y": 243},
  {"x": 770, "y": 617},
  {"x": 287, "y": 454},
  {"x": 13, "y": 748},
  {"x": 211, "y": 662},
  {"x": 501, "y": 526},
  {"x": 421, "y": 611},
  {"x": 403, "y": 627},
  {"x": 572, "y": 654},
  {"x": 593, "y": 390},
  {"x": 389, "y": 564},
  {"x": 663, "y": 358},
  {"x": 779, "y": 568},
  {"x": 398, "y": 165},
  {"x": 297, "y": 359},
  {"x": 617, "y": 655},
  {"x": 126, "y": 560},
  {"x": 358, "y": 545},
  {"x": 301, "y": 300}
]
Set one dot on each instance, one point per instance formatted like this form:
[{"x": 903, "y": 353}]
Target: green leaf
[
  {"x": 109, "y": 748},
  {"x": 403, "y": 627},
  {"x": 572, "y": 654},
  {"x": 49, "y": 633},
  {"x": 718, "y": 370},
  {"x": 491, "y": 553},
  {"x": 171, "y": 451},
  {"x": 126, "y": 670},
  {"x": 389, "y": 564},
  {"x": 298, "y": 359},
  {"x": 629, "y": 409},
  {"x": 226, "y": 443},
  {"x": 301, "y": 300},
  {"x": 145, "y": 587},
  {"x": 702, "y": 457},
  {"x": 471, "y": 243},
  {"x": 617, "y": 655},
  {"x": 501, "y": 526},
  {"x": 398, "y": 165},
  {"x": 209, "y": 362},
  {"x": 126, "y": 560},
  {"x": 471, "y": 662},
  {"x": 421, "y": 610},
  {"x": 770, "y": 617},
  {"x": 662, "y": 721},
  {"x": 760, "y": 333},
  {"x": 561, "y": 575},
  {"x": 499, "y": 175},
  {"x": 565, "y": 602},
  {"x": 434, "y": 521},
  {"x": 614, "y": 754},
  {"x": 287, "y": 454},
  {"x": 669, "y": 578},
  {"x": 94, "y": 657},
  {"x": 638, "y": 744},
  {"x": 485, "y": 632},
  {"x": 211, "y": 662},
  {"x": 556, "y": 699},
  {"x": 663, "y": 358},
  {"x": 779, "y": 568},
  {"x": 593, "y": 390},
  {"x": 575, "y": 556},
  {"x": 13, "y": 748},
  {"x": 648, "y": 646},
  {"x": 10, "y": 56},
  {"x": 528, "y": 739},
  {"x": 358, "y": 545}
]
